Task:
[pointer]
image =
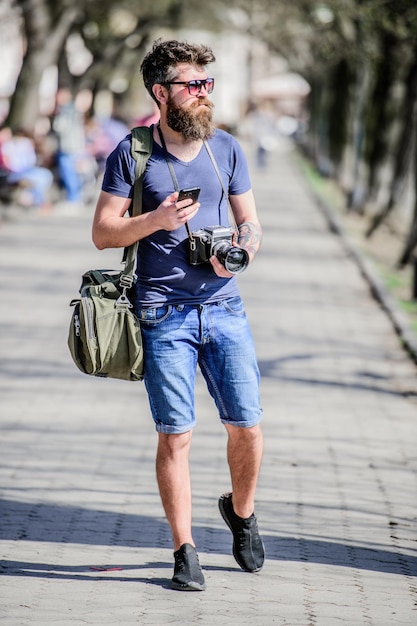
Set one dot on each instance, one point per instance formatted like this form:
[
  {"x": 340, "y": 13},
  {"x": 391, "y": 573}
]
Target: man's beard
[{"x": 194, "y": 122}]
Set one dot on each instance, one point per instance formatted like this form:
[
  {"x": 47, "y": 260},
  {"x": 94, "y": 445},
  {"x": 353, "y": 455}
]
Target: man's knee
[
  {"x": 171, "y": 443},
  {"x": 242, "y": 433}
]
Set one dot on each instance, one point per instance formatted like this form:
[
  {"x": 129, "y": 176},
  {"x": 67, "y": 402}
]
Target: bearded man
[{"x": 191, "y": 312}]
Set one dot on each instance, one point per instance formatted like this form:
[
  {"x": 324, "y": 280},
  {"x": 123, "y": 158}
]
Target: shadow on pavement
[{"x": 66, "y": 524}]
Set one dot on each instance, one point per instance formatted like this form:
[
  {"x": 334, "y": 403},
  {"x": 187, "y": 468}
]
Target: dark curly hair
[{"x": 158, "y": 66}]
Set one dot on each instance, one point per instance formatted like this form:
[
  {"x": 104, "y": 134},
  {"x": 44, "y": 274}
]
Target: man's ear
[{"x": 160, "y": 92}]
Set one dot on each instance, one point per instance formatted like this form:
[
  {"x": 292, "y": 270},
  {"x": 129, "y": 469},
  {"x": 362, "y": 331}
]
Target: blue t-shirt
[{"x": 165, "y": 275}]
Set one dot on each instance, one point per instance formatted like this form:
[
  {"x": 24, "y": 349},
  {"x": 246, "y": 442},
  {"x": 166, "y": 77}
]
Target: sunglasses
[{"x": 195, "y": 86}]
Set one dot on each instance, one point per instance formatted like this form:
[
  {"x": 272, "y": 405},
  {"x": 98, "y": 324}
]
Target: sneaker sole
[{"x": 191, "y": 586}]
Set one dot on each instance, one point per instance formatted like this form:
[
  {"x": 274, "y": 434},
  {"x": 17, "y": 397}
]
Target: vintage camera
[{"x": 217, "y": 240}]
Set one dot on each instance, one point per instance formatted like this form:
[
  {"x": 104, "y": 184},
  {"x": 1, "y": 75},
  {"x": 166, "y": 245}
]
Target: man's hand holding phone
[
  {"x": 187, "y": 211},
  {"x": 189, "y": 194},
  {"x": 170, "y": 216}
]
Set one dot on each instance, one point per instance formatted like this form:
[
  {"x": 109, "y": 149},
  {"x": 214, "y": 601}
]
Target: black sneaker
[
  {"x": 187, "y": 571},
  {"x": 248, "y": 548}
]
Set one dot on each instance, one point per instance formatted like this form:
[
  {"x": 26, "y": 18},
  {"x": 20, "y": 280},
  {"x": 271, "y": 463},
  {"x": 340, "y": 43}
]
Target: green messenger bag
[{"x": 104, "y": 335}]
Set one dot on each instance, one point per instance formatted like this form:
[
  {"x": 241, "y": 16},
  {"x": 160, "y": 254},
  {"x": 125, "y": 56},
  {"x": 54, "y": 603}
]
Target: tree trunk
[
  {"x": 318, "y": 135},
  {"x": 403, "y": 155},
  {"x": 44, "y": 41},
  {"x": 340, "y": 86},
  {"x": 356, "y": 195},
  {"x": 411, "y": 242},
  {"x": 379, "y": 114}
]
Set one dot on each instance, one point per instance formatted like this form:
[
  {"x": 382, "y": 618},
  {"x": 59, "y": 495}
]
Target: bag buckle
[
  {"x": 123, "y": 300},
  {"x": 126, "y": 281}
]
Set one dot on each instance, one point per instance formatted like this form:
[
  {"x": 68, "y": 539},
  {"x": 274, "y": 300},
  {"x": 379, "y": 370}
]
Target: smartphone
[{"x": 192, "y": 193}]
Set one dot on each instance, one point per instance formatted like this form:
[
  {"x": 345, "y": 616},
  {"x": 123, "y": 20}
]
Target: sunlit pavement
[{"x": 83, "y": 536}]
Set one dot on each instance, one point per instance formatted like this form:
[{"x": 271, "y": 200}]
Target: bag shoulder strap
[{"x": 141, "y": 150}]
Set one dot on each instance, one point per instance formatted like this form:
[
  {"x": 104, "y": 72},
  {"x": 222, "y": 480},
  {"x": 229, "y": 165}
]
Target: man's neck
[
  {"x": 172, "y": 136},
  {"x": 184, "y": 149}
]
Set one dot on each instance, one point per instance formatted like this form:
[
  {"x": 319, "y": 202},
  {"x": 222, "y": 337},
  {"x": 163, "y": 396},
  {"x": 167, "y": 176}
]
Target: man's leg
[
  {"x": 244, "y": 455},
  {"x": 170, "y": 340},
  {"x": 244, "y": 450},
  {"x": 173, "y": 475}
]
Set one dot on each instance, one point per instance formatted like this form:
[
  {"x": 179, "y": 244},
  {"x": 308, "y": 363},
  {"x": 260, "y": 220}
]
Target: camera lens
[{"x": 234, "y": 259}]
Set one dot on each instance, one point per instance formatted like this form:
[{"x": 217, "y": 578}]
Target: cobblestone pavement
[{"x": 83, "y": 537}]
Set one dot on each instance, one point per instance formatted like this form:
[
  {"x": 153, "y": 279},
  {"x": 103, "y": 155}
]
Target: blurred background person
[
  {"x": 102, "y": 136},
  {"x": 68, "y": 127},
  {"x": 19, "y": 162},
  {"x": 259, "y": 126}
]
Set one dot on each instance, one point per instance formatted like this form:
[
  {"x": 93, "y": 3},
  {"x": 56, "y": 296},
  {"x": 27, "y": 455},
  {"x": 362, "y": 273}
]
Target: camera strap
[
  {"x": 175, "y": 180},
  {"x": 173, "y": 174},
  {"x": 226, "y": 195}
]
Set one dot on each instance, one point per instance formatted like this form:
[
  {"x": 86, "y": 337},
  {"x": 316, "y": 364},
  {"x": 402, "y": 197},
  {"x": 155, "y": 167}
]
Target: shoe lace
[
  {"x": 179, "y": 563},
  {"x": 245, "y": 533}
]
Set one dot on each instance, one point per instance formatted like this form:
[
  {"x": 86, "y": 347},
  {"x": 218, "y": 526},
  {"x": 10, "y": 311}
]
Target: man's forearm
[{"x": 249, "y": 237}]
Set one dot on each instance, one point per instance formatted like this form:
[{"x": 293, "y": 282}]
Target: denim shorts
[{"x": 215, "y": 336}]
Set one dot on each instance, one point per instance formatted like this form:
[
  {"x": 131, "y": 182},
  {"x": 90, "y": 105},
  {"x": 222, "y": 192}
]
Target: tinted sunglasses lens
[{"x": 195, "y": 86}]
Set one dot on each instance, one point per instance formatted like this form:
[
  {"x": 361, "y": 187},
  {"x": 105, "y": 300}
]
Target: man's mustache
[{"x": 202, "y": 101}]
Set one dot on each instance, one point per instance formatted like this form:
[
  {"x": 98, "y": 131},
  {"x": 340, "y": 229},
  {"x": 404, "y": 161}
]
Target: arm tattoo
[{"x": 249, "y": 237}]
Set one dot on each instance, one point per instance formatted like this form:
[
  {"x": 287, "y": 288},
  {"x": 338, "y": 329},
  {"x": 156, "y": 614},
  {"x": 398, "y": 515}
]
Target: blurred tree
[
  {"x": 375, "y": 44},
  {"x": 406, "y": 120},
  {"x": 45, "y": 33},
  {"x": 360, "y": 58},
  {"x": 113, "y": 34}
]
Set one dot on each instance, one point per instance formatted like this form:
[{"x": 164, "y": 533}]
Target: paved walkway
[{"x": 83, "y": 536}]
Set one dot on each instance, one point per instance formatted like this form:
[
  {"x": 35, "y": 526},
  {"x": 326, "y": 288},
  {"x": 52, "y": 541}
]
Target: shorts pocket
[{"x": 234, "y": 306}]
